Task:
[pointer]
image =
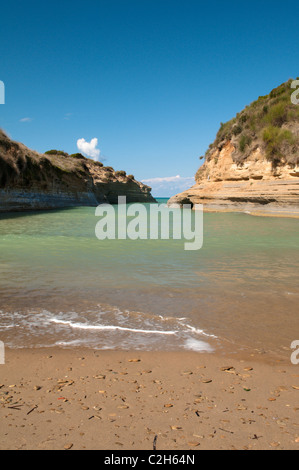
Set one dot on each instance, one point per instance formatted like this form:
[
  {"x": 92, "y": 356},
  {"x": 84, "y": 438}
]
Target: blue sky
[{"x": 150, "y": 79}]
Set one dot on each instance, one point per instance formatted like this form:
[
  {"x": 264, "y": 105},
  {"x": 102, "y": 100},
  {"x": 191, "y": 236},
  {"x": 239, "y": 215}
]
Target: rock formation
[
  {"x": 253, "y": 165},
  {"x": 33, "y": 181}
]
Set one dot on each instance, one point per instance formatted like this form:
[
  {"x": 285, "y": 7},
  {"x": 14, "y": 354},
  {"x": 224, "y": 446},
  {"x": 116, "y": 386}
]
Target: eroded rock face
[
  {"x": 253, "y": 186},
  {"x": 32, "y": 181},
  {"x": 253, "y": 164}
]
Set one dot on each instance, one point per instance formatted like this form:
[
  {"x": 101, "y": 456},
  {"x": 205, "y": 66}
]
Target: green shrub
[
  {"x": 243, "y": 118},
  {"x": 253, "y": 123},
  {"x": 274, "y": 137},
  {"x": 278, "y": 91},
  {"x": 57, "y": 152},
  {"x": 237, "y": 130},
  {"x": 293, "y": 113},
  {"x": 277, "y": 115},
  {"x": 121, "y": 173},
  {"x": 108, "y": 168},
  {"x": 225, "y": 131},
  {"x": 244, "y": 141}
]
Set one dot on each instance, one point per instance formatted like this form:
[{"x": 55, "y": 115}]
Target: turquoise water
[{"x": 61, "y": 285}]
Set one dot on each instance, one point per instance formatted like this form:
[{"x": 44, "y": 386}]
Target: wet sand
[{"x": 115, "y": 400}]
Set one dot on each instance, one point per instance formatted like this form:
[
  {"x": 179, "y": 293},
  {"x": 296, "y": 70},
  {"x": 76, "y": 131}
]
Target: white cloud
[
  {"x": 26, "y": 119},
  {"x": 89, "y": 148},
  {"x": 169, "y": 185}
]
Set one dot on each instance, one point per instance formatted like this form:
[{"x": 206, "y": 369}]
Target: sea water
[{"x": 60, "y": 285}]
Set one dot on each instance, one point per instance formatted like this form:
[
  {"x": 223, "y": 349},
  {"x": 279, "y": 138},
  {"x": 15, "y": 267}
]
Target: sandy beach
[{"x": 115, "y": 400}]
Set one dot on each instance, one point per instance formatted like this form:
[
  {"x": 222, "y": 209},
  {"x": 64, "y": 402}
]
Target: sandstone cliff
[
  {"x": 33, "y": 181},
  {"x": 253, "y": 165}
]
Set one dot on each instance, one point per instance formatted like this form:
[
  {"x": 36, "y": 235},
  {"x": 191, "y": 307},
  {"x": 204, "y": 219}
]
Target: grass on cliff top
[
  {"x": 56, "y": 152},
  {"x": 268, "y": 122}
]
